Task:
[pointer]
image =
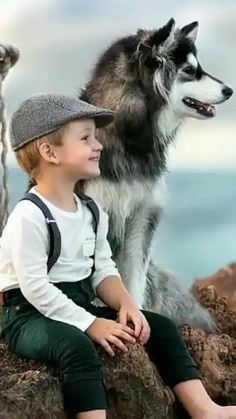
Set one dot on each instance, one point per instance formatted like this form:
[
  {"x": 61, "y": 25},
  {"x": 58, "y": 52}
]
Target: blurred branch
[{"x": 8, "y": 57}]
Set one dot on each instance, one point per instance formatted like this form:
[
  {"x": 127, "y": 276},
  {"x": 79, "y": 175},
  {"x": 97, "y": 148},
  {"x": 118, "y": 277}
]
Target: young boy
[{"x": 48, "y": 310}]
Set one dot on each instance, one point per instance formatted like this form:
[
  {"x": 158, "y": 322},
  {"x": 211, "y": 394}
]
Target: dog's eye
[{"x": 189, "y": 70}]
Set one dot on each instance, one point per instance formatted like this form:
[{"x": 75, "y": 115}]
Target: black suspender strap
[
  {"x": 93, "y": 208},
  {"x": 54, "y": 233},
  {"x": 95, "y": 213}
]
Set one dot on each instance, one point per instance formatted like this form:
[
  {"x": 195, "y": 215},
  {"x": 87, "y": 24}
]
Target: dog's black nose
[{"x": 227, "y": 91}]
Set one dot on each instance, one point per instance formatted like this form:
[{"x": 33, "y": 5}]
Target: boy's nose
[{"x": 98, "y": 145}]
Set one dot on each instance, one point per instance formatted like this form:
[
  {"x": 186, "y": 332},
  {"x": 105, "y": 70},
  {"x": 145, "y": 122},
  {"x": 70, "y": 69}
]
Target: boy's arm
[
  {"x": 113, "y": 292},
  {"x": 28, "y": 253}
]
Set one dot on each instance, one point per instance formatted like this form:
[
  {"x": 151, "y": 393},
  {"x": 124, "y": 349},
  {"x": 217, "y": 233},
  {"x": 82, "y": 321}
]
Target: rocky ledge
[{"x": 30, "y": 390}]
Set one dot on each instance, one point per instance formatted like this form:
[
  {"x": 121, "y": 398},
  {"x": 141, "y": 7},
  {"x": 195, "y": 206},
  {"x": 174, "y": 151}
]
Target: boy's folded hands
[
  {"x": 129, "y": 312},
  {"x": 110, "y": 333}
]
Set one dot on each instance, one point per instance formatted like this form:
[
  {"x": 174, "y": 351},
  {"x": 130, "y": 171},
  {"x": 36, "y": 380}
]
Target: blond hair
[{"x": 28, "y": 156}]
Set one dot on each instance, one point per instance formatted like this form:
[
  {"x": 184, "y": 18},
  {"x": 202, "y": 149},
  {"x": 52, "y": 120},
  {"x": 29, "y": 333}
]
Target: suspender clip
[{"x": 50, "y": 221}]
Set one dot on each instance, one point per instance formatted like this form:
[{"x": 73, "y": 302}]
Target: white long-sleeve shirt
[{"x": 24, "y": 250}]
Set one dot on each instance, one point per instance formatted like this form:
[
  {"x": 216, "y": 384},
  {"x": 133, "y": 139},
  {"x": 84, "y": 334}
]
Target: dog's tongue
[
  {"x": 204, "y": 108},
  {"x": 210, "y": 109}
]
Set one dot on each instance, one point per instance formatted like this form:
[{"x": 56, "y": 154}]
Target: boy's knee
[
  {"x": 159, "y": 322},
  {"x": 169, "y": 326}
]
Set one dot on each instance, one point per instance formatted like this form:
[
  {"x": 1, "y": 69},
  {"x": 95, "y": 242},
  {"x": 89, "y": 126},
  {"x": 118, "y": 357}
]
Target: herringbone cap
[{"x": 42, "y": 114}]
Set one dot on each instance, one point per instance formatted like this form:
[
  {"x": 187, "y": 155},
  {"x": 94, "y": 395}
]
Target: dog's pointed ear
[
  {"x": 190, "y": 31},
  {"x": 162, "y": 34},
  {"x": 168, "y": 27},
  {"x": 149, "y": 42}
]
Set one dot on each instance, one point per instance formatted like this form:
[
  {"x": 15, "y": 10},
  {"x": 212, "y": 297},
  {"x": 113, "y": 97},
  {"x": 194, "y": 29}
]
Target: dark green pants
[{"x": 74, "y": 354}]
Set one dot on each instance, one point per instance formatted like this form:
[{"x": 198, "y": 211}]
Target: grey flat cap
[{"x": 44, "y": 113}]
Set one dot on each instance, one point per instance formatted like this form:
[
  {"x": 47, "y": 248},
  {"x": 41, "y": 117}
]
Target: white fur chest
[
  {"x": 165, "y": 124},
  {"x": 121, "y": 199}
]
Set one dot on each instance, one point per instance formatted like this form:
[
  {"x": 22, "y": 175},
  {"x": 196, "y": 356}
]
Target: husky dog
[{"x": 153, "y": 81}]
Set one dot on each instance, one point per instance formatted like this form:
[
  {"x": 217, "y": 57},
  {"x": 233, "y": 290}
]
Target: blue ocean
[{"x": 197, "y": 234}]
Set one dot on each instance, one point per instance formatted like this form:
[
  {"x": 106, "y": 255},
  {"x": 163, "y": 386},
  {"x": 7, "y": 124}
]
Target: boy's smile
[{"x": 80, "y": 152}]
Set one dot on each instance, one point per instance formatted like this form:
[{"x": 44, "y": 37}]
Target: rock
[
  {"x": 217, "y": 294},
  {"x": 215, "y": 356},
  {"x": 224, "y": 283},
  {"x": 135, "y": 389},
  {"x": 134, "y": 386}
]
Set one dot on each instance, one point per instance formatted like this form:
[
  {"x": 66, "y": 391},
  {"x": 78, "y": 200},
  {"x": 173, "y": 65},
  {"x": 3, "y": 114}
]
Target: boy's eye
[{"x": 85, "y": 138}]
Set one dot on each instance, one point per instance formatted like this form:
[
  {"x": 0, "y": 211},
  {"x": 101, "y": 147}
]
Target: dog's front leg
[
  {"x": 133, "y": 274},
  {"x": 134, "y": 253}
]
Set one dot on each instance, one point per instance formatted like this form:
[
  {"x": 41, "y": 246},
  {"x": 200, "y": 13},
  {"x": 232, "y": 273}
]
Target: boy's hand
[
  {"x": 109, "y": 332},
  {"x": 129, "y": 311}
]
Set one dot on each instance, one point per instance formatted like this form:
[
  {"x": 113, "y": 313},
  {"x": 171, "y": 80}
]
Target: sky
[{"x": 60, "y": 40}]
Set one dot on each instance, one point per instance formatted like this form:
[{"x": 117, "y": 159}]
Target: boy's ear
[{"x": 48, "y": 154}]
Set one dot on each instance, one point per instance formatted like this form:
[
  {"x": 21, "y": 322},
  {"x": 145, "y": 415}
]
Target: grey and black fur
[{"x": 153, "y": 81}]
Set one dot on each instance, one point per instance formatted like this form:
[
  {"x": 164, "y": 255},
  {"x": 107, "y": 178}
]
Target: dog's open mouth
[{"x": 204, "y": 109}]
